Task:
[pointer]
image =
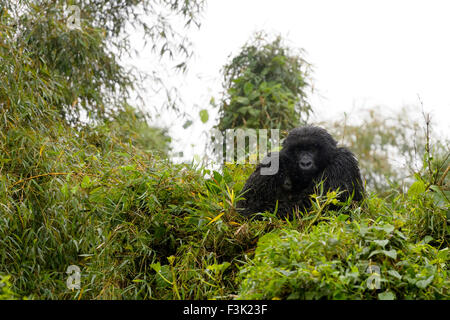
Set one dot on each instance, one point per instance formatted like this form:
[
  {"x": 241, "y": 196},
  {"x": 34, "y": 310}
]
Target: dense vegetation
[
  {"x": 265, "y": 87},
  {"x": 102, "y": 194}
]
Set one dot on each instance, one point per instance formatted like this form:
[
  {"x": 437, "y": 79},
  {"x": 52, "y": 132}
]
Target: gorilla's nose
[{"x": 306, "y": 164}]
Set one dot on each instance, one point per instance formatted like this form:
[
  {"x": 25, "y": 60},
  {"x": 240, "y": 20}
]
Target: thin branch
[{"x": 40, "y": 175}]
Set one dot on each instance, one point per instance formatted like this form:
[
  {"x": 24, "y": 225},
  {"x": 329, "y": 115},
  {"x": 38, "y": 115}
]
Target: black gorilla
[{"x": 308, "y": 156}]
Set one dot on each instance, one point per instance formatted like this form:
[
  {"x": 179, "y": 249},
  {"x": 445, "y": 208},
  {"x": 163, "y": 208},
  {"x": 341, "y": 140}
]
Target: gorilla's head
[
  {"x": 282, "y": 165},
  {"x": 311, "y": 149}
]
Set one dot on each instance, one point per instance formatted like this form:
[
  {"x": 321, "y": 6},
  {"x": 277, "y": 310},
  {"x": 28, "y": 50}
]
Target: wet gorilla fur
[{"x": 308, "y": 156}]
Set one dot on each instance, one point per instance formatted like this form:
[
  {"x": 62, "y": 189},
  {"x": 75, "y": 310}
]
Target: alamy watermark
[
  {"x": 374, "y": 280},
  {"x": 224, "y": 147},
  {"x": 73, "y": 18},
  {"x": 73, "y": 280}
]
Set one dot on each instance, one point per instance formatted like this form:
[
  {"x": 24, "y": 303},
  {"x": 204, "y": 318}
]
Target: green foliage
[
  {"x": 143, "y": 228},
  {"x": 428, "y": 209},
  {"x": 101, "y": 196},
  {"x": 82, "y": 201},
  {"x": 335, "y": 260},
  {"x": 48, "y": 67},
  {"x": 265, "y": 87},
  {"x": 404, "y": 238},
  {"x": 5, "y": 289},
  {"x": 131, "y": 126},
  {"x": 67, "y": 188}
]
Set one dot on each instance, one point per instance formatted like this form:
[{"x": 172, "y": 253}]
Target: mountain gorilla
[{"x": 308, "y": 156}]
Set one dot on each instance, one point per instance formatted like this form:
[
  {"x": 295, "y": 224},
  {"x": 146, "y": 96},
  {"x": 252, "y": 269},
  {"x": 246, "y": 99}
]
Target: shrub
[{"x": 345, "y": 259}]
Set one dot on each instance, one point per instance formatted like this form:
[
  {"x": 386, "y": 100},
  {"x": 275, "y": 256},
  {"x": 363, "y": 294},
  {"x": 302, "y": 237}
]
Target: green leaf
[
  {"x": 243, "y": 100},
  {"x": 416, "y": 188},
  {"x": 443, "y": 254},
  {"x": 217, "y": 176},
  {"x": 343, "y": 217},
  {"x": 422, "y": 284},
  {"x": 395, "y": 274},
  {"x": 440, "y": 197},
  {"x": 254, "y": 112},
  {"x": 388, "y": 228},
  {"x": 86, "y": 182},
  {"x": 387, "y": 295},
  {"x": 131, "y": 167},
  {"x": 248, "y": 88},
  {"x": 381, "y": 243},
  {"x": 65, "y": 190},
  {"x": 187, "y": 124},
  {"x": 244, "y": 110},
  {"x": 391, "y": 253},
  {"x": 156, "y": 266},
  {"x": 253, "y": 95},
  {"x": 97, "y": 195},
  {"x": 427, "y": 239},
  {"x": 204, "y": 116},
  {"x": 218, "y": 268},
  {"x": 74, "y": 189}
]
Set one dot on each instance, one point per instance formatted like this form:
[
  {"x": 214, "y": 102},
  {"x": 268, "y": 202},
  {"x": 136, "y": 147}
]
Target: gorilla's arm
[
  {"x": 256, "y": 193},
  {"x": 261, "y": 192},
  {"x": 343, "y": 173}
]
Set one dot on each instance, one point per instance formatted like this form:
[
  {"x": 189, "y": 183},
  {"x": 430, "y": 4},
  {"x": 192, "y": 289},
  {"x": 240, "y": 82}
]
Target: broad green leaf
[
  {"x": 387, "y": 295},
  {"x": 427, "y": 239},
  {"x": 443, "y": 254},
  {"x": 156, "y": 266},
  {"x": 395, "y": 274},
  {"x": 388, "y": 228},
  {"x": 248, "y": 87},
  {"x": 422, "y": 284},
  {"x": 381, "y": 243},
  {"x": 204, "y": 116},
  {"x": 391, "y": 253},
  {"x": 243, "y": 100},
  {"x": 343, "y": 217},
  {"x": 417, "y": 188}
]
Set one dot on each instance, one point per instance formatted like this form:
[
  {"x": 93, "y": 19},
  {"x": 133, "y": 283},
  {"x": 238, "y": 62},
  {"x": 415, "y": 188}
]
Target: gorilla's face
[
  {"x": 306, "y": 158},
  {"x": 310, "y": 149}
]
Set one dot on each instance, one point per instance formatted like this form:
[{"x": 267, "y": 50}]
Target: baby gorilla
[{"x": 308, "y": 156}]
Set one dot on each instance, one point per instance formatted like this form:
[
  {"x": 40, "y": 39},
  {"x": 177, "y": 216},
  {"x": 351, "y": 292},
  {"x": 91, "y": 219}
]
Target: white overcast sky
[{"x": 364, "y": 54}]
